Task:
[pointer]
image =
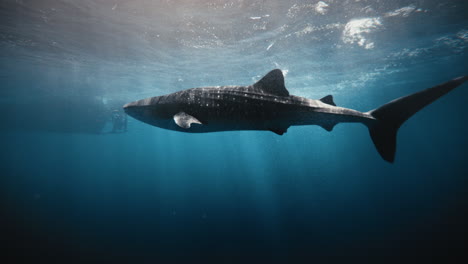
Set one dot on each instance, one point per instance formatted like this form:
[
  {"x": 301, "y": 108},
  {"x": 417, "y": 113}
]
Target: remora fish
[{"x": 267, "y": 105}]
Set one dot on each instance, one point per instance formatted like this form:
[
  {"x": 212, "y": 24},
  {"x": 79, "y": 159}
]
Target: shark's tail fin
[{"x": 392, "y": 115}]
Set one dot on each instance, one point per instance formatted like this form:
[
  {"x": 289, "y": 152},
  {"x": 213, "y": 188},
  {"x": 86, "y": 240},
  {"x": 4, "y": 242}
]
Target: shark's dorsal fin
[
  {"x": 328, "y": 100},
  {"x": 185, "y": 120},
  {"x": 272, "y": 83}
]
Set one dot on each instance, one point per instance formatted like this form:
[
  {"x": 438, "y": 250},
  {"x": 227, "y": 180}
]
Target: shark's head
[
  {"x": 149, "y": 111},
  {"x": 165, "y": 111},
  {"x": 135, "y": 110}
]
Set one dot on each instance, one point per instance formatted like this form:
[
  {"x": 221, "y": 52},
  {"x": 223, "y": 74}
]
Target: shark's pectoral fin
[
  {"x": 185, "y": 120},
  {"x": 328, "y": 100},
  {"x": 279, "y": 130}
]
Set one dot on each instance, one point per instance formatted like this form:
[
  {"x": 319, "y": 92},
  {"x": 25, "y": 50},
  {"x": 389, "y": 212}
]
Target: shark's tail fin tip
[
  {"x": 384, "y": 138},
  {"x": 392, "y": 115}
]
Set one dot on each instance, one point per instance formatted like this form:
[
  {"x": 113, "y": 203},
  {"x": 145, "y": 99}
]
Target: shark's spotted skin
[{"x": 267, "y": 105}]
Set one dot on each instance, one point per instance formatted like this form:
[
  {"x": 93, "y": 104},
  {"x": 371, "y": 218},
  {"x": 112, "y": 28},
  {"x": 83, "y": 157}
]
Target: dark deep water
[{"x": 70, "y": 192}]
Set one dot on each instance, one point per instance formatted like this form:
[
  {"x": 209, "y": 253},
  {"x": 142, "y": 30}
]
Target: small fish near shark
[{"x": 267, "y": 105}]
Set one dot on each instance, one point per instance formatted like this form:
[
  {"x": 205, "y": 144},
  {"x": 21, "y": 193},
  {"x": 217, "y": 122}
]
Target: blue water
[{"x": 71, "y": 192}]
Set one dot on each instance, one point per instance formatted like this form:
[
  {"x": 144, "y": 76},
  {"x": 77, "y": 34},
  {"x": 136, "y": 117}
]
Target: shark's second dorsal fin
[
  {"x": 328, "y": 100},
  {"x": 272, "y": 83}
]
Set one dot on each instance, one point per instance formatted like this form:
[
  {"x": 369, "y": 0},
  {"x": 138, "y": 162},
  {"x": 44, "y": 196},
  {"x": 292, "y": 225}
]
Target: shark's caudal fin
[{"x": 393, "y": 114}]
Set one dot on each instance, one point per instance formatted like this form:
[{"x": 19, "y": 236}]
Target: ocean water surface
[{"x": 72, "y": 191}]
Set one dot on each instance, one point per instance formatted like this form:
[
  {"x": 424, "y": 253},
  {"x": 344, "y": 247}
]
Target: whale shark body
[{"x": 267, "y": 105}]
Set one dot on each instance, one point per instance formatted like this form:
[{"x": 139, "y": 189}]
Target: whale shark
[{"x": 267, "y": 105}]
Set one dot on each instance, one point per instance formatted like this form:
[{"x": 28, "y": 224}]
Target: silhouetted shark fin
[
  {"x": 328, "y": 127},
  {"x": 328, "y": 100},
  {"x": 273, "y": 83},
  {"x": 392, "y": 115},
  {"x": 279, "y": 130},
  {"x": 185, "y": 120}
]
